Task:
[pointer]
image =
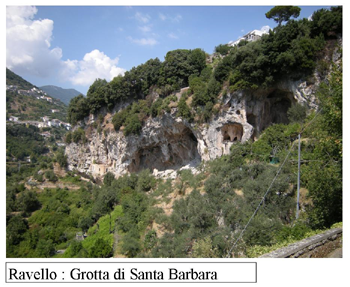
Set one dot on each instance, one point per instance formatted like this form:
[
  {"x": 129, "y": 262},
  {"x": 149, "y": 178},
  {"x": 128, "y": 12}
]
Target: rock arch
[{"x": 232, "y": 132}]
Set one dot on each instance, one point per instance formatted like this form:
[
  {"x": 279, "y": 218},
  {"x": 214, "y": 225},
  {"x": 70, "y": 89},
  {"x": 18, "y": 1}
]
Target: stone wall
[{"x": 317, "y": 246}]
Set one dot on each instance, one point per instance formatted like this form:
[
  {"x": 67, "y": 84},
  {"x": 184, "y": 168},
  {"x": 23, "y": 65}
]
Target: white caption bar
[{"x": 131, "y": 272}]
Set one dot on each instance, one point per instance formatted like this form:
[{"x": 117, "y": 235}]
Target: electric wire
[{"x": 268, "y": 190}]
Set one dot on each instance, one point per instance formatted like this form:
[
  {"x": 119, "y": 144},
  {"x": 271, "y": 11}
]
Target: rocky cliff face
[{"x": 169, "y": 143}]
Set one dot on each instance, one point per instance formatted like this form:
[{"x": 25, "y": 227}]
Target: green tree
[
  {"x": 222, "y": 49},
  {"x": 61, "y": 159},
  {"x": 75, "y": 247},
  {"x": 108, "y": 179},
  {"x": 96, "y": 95},
  {"x": 101, "y": 249},
  {"x": 133, "y": 125},
  {"x": 85, "y": 223},
  {"x": 183, "y": 109},
  {"x": 131, "y": 243},
  {"x": 78, "y": 109},
  {"x": 15, "y": 230},
  {"x": 45, "y": 248},
  {"x": 50, "y": 176},
  {"x": 297, "y": 113},
  {"x": 283, "y": 13},
  {"x": 28, "y": 201},
  {"x": 323, "y": 177},
  {"x": 145, "y": 181}
]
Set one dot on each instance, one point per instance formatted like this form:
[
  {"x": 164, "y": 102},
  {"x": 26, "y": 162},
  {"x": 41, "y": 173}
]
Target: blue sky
[{"x": 70, "y": 46}]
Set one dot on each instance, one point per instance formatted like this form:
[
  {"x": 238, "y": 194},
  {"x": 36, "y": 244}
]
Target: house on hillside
[
  {"x": 54, "y": 123},
  {"x": 45, "y": 134},
  {"x": 45, "y": 119},
  {"x": 67, "y": 126},
  {"x": 46, "y": 98},
  {"x": 13, "y": 119},
  {"x": 11, "y": 88},
  {"x": 249, "y": 37}
]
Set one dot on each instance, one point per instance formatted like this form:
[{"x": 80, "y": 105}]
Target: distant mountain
[{"x": 65, "y": 95}]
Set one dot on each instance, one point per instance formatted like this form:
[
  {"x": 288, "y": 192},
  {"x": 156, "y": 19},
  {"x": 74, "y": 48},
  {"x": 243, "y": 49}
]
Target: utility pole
[{"x": 297, "y": 213}]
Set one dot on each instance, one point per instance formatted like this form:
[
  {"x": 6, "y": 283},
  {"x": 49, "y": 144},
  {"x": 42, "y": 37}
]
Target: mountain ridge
[{"x": 65, "y": 95}]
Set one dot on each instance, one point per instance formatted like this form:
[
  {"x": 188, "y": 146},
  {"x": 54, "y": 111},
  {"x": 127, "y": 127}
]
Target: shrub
[
  {"x": 184, "y": 110},
  {"x": 50, "y": 176},
  {"x": 101, "y": 249},
  {"x": 222, "y": 49},
  {"x": 297, "y": 113}
]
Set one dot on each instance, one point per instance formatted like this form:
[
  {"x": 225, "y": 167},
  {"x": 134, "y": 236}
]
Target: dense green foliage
[
  {"x": 289, "y": 50},
  {"x": 168, "y": 76},
  {"x": 283, "y": 13},
  {"x": 323, "y": 176},
  {"x": 76, "y": 136},
  {"x": 222, "y": 49},
  {"x": 22, "y": 141}
]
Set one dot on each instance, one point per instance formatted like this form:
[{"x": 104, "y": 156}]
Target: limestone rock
[{"x": 169, "y": 143}]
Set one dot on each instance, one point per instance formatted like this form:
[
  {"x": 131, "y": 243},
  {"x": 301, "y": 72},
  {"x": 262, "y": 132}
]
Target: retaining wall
[{"x": 317, "y": 246}]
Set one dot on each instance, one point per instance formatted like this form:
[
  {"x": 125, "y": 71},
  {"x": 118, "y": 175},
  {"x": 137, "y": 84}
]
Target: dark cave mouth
[
  {"x": 279, "y": 103},
  {"x": 175, "y": 151}
]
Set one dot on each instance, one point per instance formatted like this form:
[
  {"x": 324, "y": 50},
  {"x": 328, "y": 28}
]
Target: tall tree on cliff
[{"x": 283, "y": 13}]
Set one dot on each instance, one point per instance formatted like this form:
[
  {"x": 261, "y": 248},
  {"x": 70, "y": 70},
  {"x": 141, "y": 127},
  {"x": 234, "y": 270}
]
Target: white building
[
  {"x": 13, "y": 119},
  {"x": 250, "y": 37},
  {"x": 54, "y": 123},
  {"x": 45, "y": 119},
  {"x": 67, "y": 126}
]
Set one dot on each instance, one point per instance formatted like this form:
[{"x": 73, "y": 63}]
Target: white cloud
[
  {"x": 162, "y": 16},
  {"x": 146, "y": 28},
  {"x": 176, "y": 19},
  {"x": 28, "y": 43},
  {"x": 94, "y": 65},
  {"x": 143, "y": 18},
  {"x": 173, "y": 36},
  {"x": 265, "y": 29},
  {"x": 28, "y": 51},
  {"x": 144, "y": 41}
]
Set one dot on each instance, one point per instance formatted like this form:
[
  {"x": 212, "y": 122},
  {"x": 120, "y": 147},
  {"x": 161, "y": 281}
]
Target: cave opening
[
  {"x": 275, "y": 109},
  {"x": 175, "y": 151},
  {"x": 251, "y": 119},
  {"x": 232, "y": 132},
  {"x": 279, "y": 103}
]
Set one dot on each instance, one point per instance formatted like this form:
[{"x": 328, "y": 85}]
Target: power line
[
  {"x": 261, "y": 202},
  {"x": 268, "y": 190},
  {"x": 309, "y": 123}
]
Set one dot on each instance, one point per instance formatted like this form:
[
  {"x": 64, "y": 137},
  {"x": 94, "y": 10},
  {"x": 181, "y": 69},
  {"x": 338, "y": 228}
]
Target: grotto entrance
[
  {"x": 232, "y": 132},
  {"x": 275, "y": 109},
  {"x": 175, "y": 151}
]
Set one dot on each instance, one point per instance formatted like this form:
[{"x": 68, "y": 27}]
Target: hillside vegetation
[
  {"x": 290, "y": 50},
  {"x": 22, "y": 101}
]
